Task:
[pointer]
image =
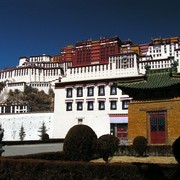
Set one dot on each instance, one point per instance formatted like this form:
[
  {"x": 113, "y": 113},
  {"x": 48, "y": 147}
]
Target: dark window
[
  {"x": 69, "y": 106},
  {"x": 69, "y": 92},
  {"x": 113, "y": 90},
  {"x": 79, "y": 106},
  {"x": 101, "y": 90},
  {"x": 79, "y": 92},
  {"x": 90, "y": 91},
  {"x": 80, "y": 121},
  {"x": 113, "y": 105},
  {"x": 125, "y": 104},
  {"x": 101, "y": 105},
  {"x": 90, "y": 105}
]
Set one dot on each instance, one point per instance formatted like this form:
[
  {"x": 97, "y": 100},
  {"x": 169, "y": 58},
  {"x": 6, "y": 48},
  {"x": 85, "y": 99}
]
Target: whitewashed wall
[
  {"x": 101, "y": 71},
  {"x": 11, "y": 123},
  {"x": 64, "y": 120}
]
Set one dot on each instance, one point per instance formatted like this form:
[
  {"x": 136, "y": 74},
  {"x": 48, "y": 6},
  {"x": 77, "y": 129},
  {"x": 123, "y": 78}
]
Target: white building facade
[
  {"x": 87, "y": 95},
  {"x": 37, "y": 71},
  {"x": 160, "y": 53}
]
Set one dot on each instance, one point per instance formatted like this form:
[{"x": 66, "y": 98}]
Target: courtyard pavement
[{"x": 13, "y": 150}]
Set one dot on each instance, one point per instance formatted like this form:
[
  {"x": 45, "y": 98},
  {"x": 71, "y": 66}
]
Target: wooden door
[{"x": 157, "y": 128}]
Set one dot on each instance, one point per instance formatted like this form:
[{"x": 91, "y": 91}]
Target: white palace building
[
  {"x": 83, "y": 94},
  {"x": 37, "y": 71}
]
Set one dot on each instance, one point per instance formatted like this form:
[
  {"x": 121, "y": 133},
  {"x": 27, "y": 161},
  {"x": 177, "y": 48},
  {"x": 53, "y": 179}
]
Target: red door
[
  {"x": 122, "y": 132},
  {"x": 157, "y": 128}
]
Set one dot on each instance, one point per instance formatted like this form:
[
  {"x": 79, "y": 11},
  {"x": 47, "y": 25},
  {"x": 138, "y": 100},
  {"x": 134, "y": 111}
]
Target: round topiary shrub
[
  {"x": 107, "y": 145},
  {"x": 140, "y": 145},
  {"x": 80, "y": 143},
  {"x": 176, "y": 149}
]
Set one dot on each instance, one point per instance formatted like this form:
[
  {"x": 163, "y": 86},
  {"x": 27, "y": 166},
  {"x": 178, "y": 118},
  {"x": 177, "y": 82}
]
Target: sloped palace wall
[{"x": 11, "y": 123}]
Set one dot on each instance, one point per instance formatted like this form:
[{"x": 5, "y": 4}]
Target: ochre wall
[{"x": 138, "y": 123}]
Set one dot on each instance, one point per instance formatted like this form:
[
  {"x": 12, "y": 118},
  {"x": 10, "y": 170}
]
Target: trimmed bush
[
  {"x": 80, "y": 143},
  {"x": 176, "y": 149},
  {"x": 140, "y": 145},
  {"x": 107, "y": 145}
]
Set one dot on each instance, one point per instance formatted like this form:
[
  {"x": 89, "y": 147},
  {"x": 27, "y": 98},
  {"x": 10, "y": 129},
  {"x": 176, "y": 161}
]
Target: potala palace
[{"x": 83, "y": 78}]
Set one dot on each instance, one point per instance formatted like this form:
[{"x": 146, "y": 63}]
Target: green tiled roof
[{"x": 152, "y": 80}]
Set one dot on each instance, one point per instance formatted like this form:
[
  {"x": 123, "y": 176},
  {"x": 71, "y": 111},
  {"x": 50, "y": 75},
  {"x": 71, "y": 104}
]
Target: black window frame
[
  {"x": 124, "y": 105},
  {"x": 112, "y": 103},
  {"x": 68, "y": 104},
  {"x": 113, "y": 90},
  {"x": 88, "y": 91},
  {"x": 88, "y": 105},
  {"x": 100, "y": 103},
  {"x": 101, "y": 88},
  {"x": 79, "y": 92},
  {"x": 79, "y": 104},
  {"x": 69, "y": 93}
]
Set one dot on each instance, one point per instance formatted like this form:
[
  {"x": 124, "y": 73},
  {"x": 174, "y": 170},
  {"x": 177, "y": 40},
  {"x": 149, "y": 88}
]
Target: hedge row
[
  {"x": 165, "y": 150},
  {"x": 59, "y": 155},
  {"x": 52, "y": 170}
]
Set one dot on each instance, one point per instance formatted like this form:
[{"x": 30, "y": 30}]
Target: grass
[{"x": 148, "y": 159}]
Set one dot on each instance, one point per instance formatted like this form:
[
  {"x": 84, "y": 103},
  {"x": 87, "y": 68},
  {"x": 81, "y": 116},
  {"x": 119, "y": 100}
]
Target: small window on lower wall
[
  {"x": 80, "y": 121},
  {"x": 68, "y": 106}
]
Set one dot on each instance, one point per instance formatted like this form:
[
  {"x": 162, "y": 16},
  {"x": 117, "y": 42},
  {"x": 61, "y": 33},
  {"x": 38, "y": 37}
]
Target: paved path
[{"x": 12, "y": 150}]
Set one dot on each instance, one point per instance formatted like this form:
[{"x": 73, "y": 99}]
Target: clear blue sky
[{"x": 35, "y": 27}]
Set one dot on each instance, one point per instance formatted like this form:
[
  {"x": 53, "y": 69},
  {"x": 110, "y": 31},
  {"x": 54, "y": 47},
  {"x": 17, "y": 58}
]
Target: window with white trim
[
  {"x": 90, "y": 105},
  {"x": 113, "y": 90},
  {"x": 90, "y": 91},
  {"x": 101, "y": 105},
  {"x": 113, "y": 105},
  {"x": 79, "y": 92},
  {"x": 79, "y": 106},
  {"x": 125, "y": 104},
  {"x": 68, "y": 106},
  {"x": 69, "y": 92},
  {"x": 101, "y": 91}
]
